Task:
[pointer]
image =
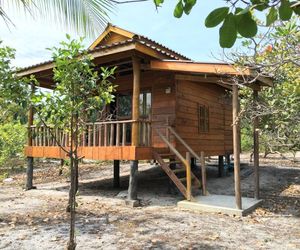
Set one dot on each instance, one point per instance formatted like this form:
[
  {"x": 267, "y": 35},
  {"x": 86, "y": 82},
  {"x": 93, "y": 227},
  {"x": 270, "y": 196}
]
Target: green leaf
[
  {"x": 272, "y": 16},
  {"x": 158, "y": 2},
  {"x": 260, "y": 4},
  {"x": 247, "y": 27},
  {"x": 285, "y": 10},
  {"x": 216, "y": 17},
  {"x": 189, "y": 4},
  {"x": 178, "y": 10},
  {"x": 228, "y": 32},
  {"x": 242, "y": 11},
  {"x": 295, "y": 8}
]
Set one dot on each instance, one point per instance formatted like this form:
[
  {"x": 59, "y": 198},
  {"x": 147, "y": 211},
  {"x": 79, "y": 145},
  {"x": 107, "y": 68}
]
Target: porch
[{"x": 107, "y": 140}]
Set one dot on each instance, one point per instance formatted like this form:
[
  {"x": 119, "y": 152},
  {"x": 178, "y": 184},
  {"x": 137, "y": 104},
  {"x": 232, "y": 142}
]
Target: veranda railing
[{"x": 98, "y": 134}]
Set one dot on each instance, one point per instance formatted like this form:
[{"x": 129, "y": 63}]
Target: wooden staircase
[
  {"x": 178, "y": 168},
  {"x": 178, "y": 174}
]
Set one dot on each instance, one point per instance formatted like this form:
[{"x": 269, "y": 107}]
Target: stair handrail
[
  {"x": 184, "y": 143},
  {"x": 184, "y": 161},
  {"x": 192, "y": 152}
]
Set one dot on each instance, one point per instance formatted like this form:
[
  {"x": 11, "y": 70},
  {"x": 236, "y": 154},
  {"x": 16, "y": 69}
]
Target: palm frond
[{"x": 85, "y": 16}]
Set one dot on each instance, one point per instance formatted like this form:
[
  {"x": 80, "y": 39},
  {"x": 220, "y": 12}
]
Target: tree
[
  {"x": 238, "y": 16},
  {"x": 80, "y": 89},
  {"x": 13, "y": 103},
  {"x": 275, "y": 54}
]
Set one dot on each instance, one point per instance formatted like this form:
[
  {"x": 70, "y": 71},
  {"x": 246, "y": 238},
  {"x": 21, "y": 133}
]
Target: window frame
[{"x": 203, "y": 118}]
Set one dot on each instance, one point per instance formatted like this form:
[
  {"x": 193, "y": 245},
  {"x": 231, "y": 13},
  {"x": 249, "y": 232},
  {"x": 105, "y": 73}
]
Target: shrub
[{"x": 12, "y": 141}]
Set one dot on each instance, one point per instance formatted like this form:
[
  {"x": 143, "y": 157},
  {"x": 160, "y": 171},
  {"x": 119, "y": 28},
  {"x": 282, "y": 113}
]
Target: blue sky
[{"x": 187, "y": 35}]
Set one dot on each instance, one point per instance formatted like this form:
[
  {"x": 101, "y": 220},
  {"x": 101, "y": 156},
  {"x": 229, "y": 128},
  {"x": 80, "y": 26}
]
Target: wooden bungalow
[{"x": 167, "y": 108}]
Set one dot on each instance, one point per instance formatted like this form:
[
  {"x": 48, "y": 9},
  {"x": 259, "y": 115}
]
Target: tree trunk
[{"x": 72, "y": 204}]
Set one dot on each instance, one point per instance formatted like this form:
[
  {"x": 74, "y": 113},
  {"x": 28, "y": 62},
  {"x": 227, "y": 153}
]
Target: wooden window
[
  {"x": 124, "y": 104},
  {"x": 203, "y": 119},
  {"x": 145, "y": 105}
]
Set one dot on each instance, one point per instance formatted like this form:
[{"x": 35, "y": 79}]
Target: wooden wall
[
  {"x": 218, "y": 140},
  {"x": 163, "y": 105}
]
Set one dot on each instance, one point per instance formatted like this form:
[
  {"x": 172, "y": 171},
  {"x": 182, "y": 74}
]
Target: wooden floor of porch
[{"x": 93, "y": 153}]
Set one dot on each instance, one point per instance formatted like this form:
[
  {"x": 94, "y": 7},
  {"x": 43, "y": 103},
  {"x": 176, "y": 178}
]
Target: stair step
[
  {"x": 174, "y": 162},
  {"x": 182, "y": 179},
  {"x": 167, "y": 155},
  {"x": 178, "y": 170}
]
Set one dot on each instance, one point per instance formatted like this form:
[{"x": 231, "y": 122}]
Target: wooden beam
[
  {"x": 35, "y": 69},
  {"x": 95, "y": 54},
  {"x": 136, "y": 100},
  {"x": 150, "y": 52},
  {"x": 185, "y": 66},
  {"x": 203, "y": 173},
  {"x": 30, "y": 119},
  {"x": 204, "y": 79},
  {"x": 256, "y": 148},
  {"x": 30, "y": 161},
  {"x": 188, "y": 177},
  {"x": 265, "y": 81},
  {"x": 111, "y": 28},
  {"x": 236, "y": 145}
]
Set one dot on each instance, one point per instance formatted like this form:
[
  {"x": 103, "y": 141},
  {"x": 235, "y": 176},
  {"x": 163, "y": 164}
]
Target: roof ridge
[{"x": 178, "y": 55}]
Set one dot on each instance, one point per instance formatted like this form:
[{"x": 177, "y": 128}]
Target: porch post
[
  {"x": 256, "y": 148},
  {"x": 116, "y": 173},
  {"x": 135, "y": 100},
  {"x": 236, "y": 145},
  {"x": 29, "y": 170},
  {"x": 221, "y": 166}
]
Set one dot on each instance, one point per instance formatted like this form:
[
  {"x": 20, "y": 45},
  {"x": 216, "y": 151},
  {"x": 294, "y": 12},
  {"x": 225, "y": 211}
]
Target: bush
[
  {"x": 246, "y": 139},
  {"x": 12, "y": 141}
]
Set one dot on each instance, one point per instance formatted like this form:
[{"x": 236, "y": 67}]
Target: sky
[{"x": 187, "y": 35}]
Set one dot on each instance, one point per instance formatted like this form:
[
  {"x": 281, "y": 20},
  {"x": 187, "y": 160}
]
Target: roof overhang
[
  {"x": 210, "y": 69},
  {"x": 130, "y": 47}
]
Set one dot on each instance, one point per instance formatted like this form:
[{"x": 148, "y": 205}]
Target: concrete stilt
[
  {"x": 132, "y": 199},
  {"x": 29, "y": 174},
  {"x": 221, "y": 166},
  {"x": 116, "y": 173}
]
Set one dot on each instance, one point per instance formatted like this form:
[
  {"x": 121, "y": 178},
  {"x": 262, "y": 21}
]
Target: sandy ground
[{"x": 36, "y": 219}]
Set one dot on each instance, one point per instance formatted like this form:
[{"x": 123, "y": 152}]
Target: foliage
[
  {"x": 12, "y": 141},
  {"x": 276, "y": 55},
  {"x": 238, "y": 17},
  {"x": 14, "y": 93},
  {"x": 87, "y": 16},
  {"x": 80, "y": 89}
]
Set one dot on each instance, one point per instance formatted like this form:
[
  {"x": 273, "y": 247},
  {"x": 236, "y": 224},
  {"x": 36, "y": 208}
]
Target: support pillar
[
  {"x": 29, "y": 170},
  {"x": 256, "y": 148},
  {"x": 236, "y": 145},
  {"x": 227, "y": 158},
  {"x": 29, "y": 174},
  {"x": 203, "y": 173},
  {"x": 221, "y": 166},
  {"x": 116, "y": 173},
  {"x": 132, "y": 199},
  {"x": 136, "y": 64}
]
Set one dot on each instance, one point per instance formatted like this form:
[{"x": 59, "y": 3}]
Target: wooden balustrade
[{"x": 98, "y": 134}]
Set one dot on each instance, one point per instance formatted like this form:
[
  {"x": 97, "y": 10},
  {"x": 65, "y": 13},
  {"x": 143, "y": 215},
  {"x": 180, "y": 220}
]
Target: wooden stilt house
[{"x": 167, "y": 108}]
